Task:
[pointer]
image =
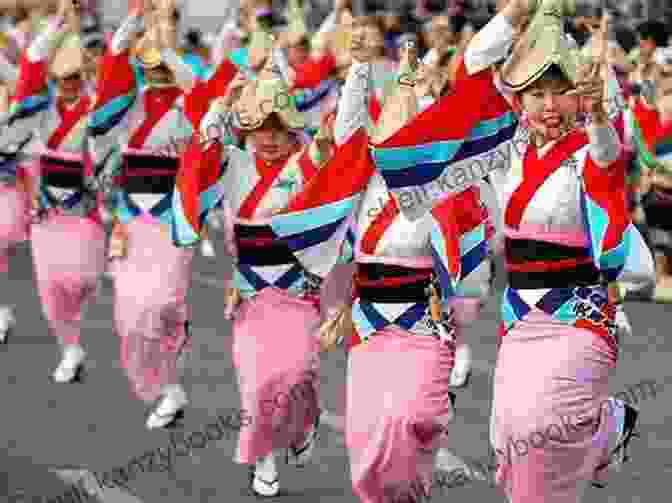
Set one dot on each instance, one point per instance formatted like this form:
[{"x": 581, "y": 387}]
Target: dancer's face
[
  {"x": 272, "y": 141},
  {"x": 441, "y": 36},
  {"x": 549, "y": 107},
  {"x": 159, "y": 75},
  {"x": 70, "y": 87},
  {"x": 297, "y": 54},
  {"x": 647, "y": 46}
]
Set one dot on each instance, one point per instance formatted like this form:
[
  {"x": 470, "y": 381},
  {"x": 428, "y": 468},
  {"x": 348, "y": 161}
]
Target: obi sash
[
  {"x": 62, "y": 173},
  {"x": 562, "y": 281},
  {"x": 10, "y": 159},
  {"x": 70, "y": 174},
  {"x": 264, "y": 261},
  {"x": 387, "y": 295},
  {"x": 532, "y": 264},
  {"x": 148, "y": 174}
]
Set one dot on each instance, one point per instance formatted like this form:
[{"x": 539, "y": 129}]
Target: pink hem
[
  {"x": 572, "y": 236},
  {"x": 156, "y": 152},
  {"x": 61, "y": 154}
]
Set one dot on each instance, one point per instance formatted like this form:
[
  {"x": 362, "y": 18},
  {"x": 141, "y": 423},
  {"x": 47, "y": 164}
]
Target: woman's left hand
[
  {"x": 591, "y": 91},
  {"x": 591, "y": 88},
  {"x": 623, "y": 327}
]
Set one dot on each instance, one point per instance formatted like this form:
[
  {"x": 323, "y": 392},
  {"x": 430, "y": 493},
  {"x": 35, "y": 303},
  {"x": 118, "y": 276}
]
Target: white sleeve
[
  {"x": 353, "y": 112},
  {"x": 639, "y": 267},
  {"x": 8, "y": 72},
  {"x": 121, "y": 39},
  {"x": 490, "y": 45},
  {"x": 605, "y": 145}
]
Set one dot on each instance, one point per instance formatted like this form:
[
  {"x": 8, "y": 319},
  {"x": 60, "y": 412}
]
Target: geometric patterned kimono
[
  {"x": 654, "y": 141},
  {"x": 67, "y": 218},
  {"x": 138, "y": 132},
  {"x": 545, "y": 317},
  {"x": 567, "y": 233},
  {"x": 270, "y": 281},
  {"x": 347, "y": 212}
]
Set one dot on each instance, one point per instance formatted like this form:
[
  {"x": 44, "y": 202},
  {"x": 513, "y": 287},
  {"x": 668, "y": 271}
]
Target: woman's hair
[
  {"x": 654, "y": 30},
  {"x": 272, "y": 121},
  {"x": 553, "y": 73}
]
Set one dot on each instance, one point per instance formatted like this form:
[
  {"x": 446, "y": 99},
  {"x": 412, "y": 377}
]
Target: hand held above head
[{"x": 359, "y": 49}]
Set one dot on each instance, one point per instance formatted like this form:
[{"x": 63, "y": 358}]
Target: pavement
[{"x": 89, "y": 433}]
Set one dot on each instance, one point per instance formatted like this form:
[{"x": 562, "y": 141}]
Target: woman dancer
[
  {"x": 432, "y": 82},
  {"x": 561, "y": 185},
  {"x": 274, "y": 303},
  {"x": 654, "y": 119},
  {"x": 13, "y": 194},
  {"x": 138, "y": 128},
  {"x": 65, "y": 201},
  {"x": 394, "y": 420}
]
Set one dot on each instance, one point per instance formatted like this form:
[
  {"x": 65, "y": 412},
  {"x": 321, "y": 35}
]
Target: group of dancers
[{"x": 308, "y": 166}]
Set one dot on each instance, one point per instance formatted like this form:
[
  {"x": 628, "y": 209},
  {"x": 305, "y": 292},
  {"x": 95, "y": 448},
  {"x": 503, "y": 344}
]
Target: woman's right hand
[
  {"x": 359, "y": 49},
  {"x": 231, "y": 301},
  {"x": 234, "y": 89}
]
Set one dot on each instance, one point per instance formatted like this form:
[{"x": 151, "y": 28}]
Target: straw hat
[
  {"x": 69, "y": 59},
  {"x": 267, "y": 95},
  {"x": 544, "y": 44}
]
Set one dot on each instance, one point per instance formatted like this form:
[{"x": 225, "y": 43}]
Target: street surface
[{"x": 52, "y": 434}]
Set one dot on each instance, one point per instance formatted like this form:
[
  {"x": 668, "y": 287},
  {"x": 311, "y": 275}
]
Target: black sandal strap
[{"x": 310, "y": 440}]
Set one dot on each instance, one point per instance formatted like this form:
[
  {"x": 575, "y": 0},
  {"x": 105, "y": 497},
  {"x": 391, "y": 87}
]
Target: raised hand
[
  {"x": 234, "y": 89},
  {"x": 591, "y": 87},
  {"x": 64, "y": 8},
  {"x": 359, "y": 49}
]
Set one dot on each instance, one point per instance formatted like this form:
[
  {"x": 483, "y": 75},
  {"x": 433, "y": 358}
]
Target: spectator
[{"x": 651, "y": 34}]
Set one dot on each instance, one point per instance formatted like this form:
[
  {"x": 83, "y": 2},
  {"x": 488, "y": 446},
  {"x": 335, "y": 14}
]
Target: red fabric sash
[
  {"x": 536, "y": 171},
  {"x": 378, "y": 226},
  {"x": 114, "y": 78},
  {"x": 375, "y": 108},
  {"x": 32, "y": 78},
  {"x": 389, "y": 282},
  {"x": 308, "y": 168},
  {"x": 548, "y": 265},
  {"x": 158, "y": 103},
  {"x": 268, "y": 175},
  {"x": 648, "y": 120},
  {"x": 69, "y": 118},
  {"x": 197, "y": 102}
]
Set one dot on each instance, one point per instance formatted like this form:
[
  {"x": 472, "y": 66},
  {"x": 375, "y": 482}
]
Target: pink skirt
[
  {"x": 14, "y": 221},
  {"x": 150, "y": 310},
  {"x": 549, "y": 425},
  {"x": 398, "y": 409},
  {"x": 69, "y": 257},
  {"x": 276, "y": 355}
]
